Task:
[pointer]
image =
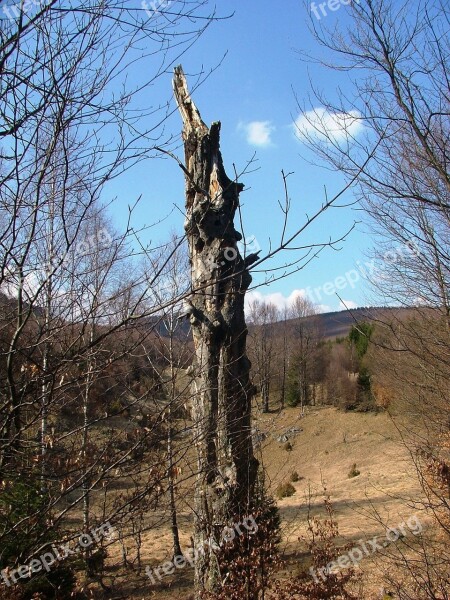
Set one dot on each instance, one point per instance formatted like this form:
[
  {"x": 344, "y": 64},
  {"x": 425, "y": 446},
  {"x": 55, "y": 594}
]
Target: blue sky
[{"x": 252, "y": 93}]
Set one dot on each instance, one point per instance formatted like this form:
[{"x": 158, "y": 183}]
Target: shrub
[
  {"x": 57, "y": 584},
  {"x": 364, "y": 379},
  {"x": 360, "y": 336},
  {"x": 367, "y": 405},
  {"x": 295, "y": 477},
  {"x": 115, "y": 407},
  {"x": 285, "y": 490},
  {"x": 321, "y": 540},
  {"x": 96, "y": 561},
  {"x": 288, "y": 446},
  {"x": 354, "y": 472},
  {"x": 24, "y": 518}
]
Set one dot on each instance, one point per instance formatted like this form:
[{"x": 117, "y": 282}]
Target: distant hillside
[{"x": 338, "y": 324}]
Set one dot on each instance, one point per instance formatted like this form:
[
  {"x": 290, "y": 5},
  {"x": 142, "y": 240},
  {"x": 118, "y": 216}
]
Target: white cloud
[
  {"x": 347, "y": 304},
  {"x": 327, "y": 126},
  {"x": 258, "y": 133},
  {"x": 281, "y": 301}
]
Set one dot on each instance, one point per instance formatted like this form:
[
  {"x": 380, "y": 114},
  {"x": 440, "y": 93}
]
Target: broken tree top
[
  {"x": 205, "y": 174},
  {"x": 189, "y": 112}
]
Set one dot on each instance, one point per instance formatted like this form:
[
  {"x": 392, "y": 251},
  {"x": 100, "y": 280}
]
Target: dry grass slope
[{"x": 326, "y": 443}]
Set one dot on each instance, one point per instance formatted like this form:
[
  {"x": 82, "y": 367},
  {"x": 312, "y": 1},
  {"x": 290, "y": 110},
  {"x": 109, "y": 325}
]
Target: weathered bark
[{"x": 222, "y": 395}]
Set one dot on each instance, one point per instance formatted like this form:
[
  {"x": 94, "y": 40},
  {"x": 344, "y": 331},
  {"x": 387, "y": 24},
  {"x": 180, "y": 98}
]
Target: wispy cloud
[
  {"x": 328, "y": 126},
  {"x": 258, "y": 133}
]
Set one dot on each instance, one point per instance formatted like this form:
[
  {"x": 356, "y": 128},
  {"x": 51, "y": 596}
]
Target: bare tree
[
  {"x": 400, "y": 108},
  {"x": 305, "y": 339},
  {"x": 283, "y": 355},
  {"x": 262, "y": 315},
  {"x": 175, "y": 356}
]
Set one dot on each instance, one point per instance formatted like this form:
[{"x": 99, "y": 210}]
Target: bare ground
[{"x": 328, "y": 444}]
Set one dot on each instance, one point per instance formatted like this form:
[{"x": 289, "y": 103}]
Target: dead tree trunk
[{"x": 227, "y": 467}]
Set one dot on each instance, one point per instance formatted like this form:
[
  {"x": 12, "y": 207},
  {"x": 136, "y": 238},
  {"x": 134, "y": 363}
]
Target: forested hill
[{"x": 338, "y": 324}]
